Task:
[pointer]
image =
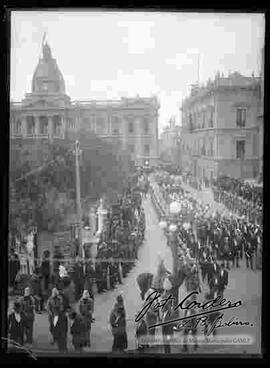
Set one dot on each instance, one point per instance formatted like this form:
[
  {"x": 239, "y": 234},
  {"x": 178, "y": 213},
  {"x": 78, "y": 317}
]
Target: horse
[{"x": 145, "y": 280}]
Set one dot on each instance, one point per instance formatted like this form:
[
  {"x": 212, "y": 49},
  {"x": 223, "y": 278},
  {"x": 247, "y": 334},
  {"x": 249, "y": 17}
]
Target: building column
[
  {"x": 124, "y": 122},
  {"x": 63, "y": 126}
]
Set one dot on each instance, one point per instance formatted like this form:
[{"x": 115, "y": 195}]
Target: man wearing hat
[
  {"x": 118, "y": 325},
  {"x": 28, "y": 307},
  {"x": 16, "y": 323},
  {"x": 86, "y": 308},
  {"x": 223, "y": 278}
]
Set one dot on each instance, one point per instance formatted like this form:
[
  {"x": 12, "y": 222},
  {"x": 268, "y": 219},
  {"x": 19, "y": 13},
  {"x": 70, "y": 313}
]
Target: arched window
[
  {"x": 31, "y": 128},
  {"x": 211, "y": 148},
  {"x": 115, "y": 125},
  {"x": 18, "y": 127},
  {"x": 56, "y": 125}
]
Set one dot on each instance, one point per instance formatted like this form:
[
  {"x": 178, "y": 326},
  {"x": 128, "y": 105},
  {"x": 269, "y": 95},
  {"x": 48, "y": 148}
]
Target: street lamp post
[
  {"x": 174, "y": 211},
  {"x": 78, "y": 197}
]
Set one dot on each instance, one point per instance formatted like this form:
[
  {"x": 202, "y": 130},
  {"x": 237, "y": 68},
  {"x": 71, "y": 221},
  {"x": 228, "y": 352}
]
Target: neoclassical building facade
[
  {"x": 49, "y": 113},
  {"x": 220, "y": 128}
]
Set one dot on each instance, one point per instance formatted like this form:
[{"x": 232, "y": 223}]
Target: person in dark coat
[
  {"x": 213, "y": 272},
  {"x": 55, "y": 306},
  {"x": 77, "y": 330},
  {"x": 118, "y": 325},
  {"x": 249, "y": 254},
  {"x": 15, "y": 324},
  {"x": 222, "y": 280},
  {"x": 36, "y": 287},
  {"x": 60, "y": 330},
  {"x": 86, "y": 308},
  {"x": 28, "y": 307},
  {"x": 45, "y": 272}
]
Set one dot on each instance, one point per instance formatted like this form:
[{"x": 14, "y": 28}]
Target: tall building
[
  {"x": 220, "y": 128},
  {"x": 170, "y": 143},
  {"x": 48, "y": 113},
  {"x": 261, "y": 116}
]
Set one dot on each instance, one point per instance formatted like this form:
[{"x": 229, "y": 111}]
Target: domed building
[{"x": 48, "y": 113}]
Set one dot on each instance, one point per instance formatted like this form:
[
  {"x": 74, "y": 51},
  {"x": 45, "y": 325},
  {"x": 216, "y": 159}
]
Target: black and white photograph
[{"x": 135, "y": 182}]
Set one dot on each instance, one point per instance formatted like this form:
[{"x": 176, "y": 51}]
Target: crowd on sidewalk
[
  {"x": 240, "y": 198},
  {"x": 59, "y": 292}
]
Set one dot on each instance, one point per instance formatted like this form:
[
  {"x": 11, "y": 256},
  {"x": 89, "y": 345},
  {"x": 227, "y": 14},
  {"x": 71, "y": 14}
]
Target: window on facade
[
  {"x": 71, "y": 123},
  {"x": 241, "y": 118},
  {"x": 195, "y": 120},
  {"x": 56, "y": 125},
  {"x": 211, "y": 119},
  {"x": 45, "y": 86},
  {"x": 240, "y": 149},
  {"x": 203, "y": 118},
  {"x": 131, "y": 148},
  {"x": 86, "y": 122},
  {"x": 18, "y": 127},
  {"x": 30, "y": 125},
  {"x": 211, "y": 148},
  {"x": 146, "y": 125},
  {"x": 115, "y": 125},
  {"x": 100, "y": 125},
  {"x": 130, "y": 127},
  {"x": 190, "y": 122},
  {"x": 146, "y": 149},
  {"x": 43, "y": 125}
]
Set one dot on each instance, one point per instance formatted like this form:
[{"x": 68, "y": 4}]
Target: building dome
[{"x": 47, "y": 76}]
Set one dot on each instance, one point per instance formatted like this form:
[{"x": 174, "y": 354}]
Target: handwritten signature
[{"x": 211, "y": 307}]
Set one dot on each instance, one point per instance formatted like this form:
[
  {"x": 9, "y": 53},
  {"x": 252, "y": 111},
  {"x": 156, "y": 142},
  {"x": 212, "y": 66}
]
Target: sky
[{"x": 109, "y": 55}]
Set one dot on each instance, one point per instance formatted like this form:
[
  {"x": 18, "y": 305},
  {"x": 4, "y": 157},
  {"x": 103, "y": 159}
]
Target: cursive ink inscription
[
  {"x": 207, "y": 314},
  {"x": 153, "y": 301},
  {"x": 208, "y": 325}
]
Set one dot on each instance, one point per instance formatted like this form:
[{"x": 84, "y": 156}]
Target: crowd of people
[
  {"x": 240, "y": 198},
  {"x": 227, "y": 239},
  {"x": 64, "y": 294},
  {"x": 209, "y": 245}
]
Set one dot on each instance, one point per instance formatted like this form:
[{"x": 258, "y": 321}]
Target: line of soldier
[
  {"x": 239, "y": 205},
  {"x": 227, "y": 239}
]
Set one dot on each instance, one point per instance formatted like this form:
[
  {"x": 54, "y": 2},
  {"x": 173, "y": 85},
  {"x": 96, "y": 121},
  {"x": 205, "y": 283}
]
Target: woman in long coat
[
  {"x": 55, "y": 306},
  {"x": 118, "y": 325},
  {"x": 28, "y": 307},
  {"x": 86, "y": 308},
  {"x": 16, "y": 324}
]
